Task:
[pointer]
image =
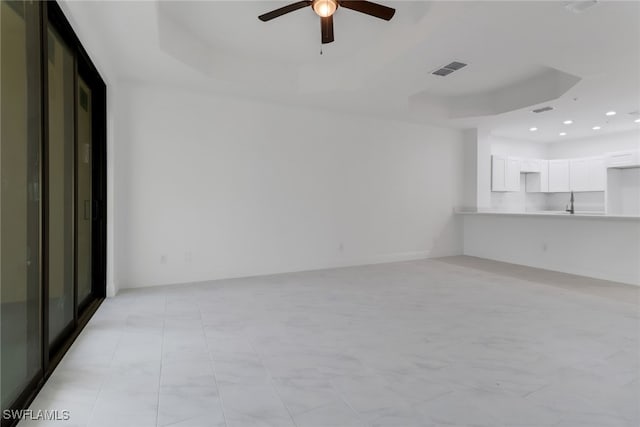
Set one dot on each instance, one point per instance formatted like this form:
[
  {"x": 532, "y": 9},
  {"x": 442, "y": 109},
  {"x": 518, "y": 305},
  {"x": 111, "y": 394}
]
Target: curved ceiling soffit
[
  {"x": 547, "y": 85},
  {"x": 176, "y": 40}
]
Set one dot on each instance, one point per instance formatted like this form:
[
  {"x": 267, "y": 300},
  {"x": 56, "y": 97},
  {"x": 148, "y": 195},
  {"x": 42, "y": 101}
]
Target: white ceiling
[{"x": 521, "y": 55}]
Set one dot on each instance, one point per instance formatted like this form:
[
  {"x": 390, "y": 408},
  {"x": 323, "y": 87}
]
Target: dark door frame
[{"x": 50, "y": 12}]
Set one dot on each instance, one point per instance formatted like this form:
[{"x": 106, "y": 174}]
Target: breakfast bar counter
[{"x": 592, "y": 244}]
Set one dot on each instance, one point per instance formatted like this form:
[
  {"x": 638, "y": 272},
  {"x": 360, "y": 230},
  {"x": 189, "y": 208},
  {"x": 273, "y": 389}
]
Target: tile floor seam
[
  {"x": 103, "y": 380},
  {"x": 529, "y": 393},
  {"x": 271, "y": 383},
  {"x": 213, "y": 368},
  {"x": 164, "y": 325},
  {"x": 346, "y": 402}
]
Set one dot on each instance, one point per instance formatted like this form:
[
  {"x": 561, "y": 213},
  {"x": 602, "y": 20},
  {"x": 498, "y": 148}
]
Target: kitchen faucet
[{"x": 570, "y": 207}]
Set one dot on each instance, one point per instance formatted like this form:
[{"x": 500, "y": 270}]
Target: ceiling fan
[{"x": 326, "y": 8}]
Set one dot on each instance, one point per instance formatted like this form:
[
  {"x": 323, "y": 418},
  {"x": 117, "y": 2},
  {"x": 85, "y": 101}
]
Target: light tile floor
[{"x": 450, "y": 342}]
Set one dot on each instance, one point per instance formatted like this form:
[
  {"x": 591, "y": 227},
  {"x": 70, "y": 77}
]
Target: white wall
[
  {"x": 214, "y": 187},
  {"x": 470, "y": 188},
  {"x": 511, "y": 147},
  {"x": 483, "y": 181},
  {"x": 583, "y": 201},
  {"x": 594, "y": 146},
  {"x": 595, "y": 247}
]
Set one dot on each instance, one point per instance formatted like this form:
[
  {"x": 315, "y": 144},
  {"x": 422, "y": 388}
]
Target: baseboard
[
  {"x": 586, "y": 272},
  {"x": 353, "y": 262}
]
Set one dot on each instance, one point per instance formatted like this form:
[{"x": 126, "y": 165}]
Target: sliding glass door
[
  {"x": 84, "y": 207},
  {"x": 74, "y": 188},
  {"x": 20, "y": 144},
  {"x": 52, "y": 198},
  {"x": 60, "y": 158}
]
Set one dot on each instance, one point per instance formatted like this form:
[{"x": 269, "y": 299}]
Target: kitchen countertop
[{"x": 555, "y": 214}]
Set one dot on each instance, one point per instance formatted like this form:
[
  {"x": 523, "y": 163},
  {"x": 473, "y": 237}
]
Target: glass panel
[
  {"x": 20, "y": 334},
  {"x": 84, "y": 206},
  {"x": 60, "y": 157}
]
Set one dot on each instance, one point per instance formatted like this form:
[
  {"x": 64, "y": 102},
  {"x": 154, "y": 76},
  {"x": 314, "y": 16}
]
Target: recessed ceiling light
[
  {"x": 636, "y": 121},
  {"x": 596, "y": 128},
  {"x": 563, "y": 133},
  {"x": 533, "y": 129},
  {"x": 568, "y": 122},
  {"x": 611, "y": 113}
]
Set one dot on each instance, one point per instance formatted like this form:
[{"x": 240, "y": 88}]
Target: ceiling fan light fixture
[{"x": 325, "y": 8}]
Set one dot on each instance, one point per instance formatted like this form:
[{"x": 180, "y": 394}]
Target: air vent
[
  {"x": 543, "y": 109},
  {"x": 455, "y": 66},
  {"x": 443, "y": 72},
  {"x": 448, "y": 69}
]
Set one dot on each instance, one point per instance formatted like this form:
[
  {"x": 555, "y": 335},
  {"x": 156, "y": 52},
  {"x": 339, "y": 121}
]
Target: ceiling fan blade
[
  {"x": 284, "y": 10},
  {"x": 327, "y": 29},
  {"x": 369, "y": 8}
]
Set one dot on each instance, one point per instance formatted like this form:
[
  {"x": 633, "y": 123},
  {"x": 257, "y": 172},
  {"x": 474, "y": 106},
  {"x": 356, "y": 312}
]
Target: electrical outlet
[{"x": 163, "y": 259}]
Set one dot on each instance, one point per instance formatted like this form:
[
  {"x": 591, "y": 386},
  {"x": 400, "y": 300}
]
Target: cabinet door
[
  {"x": 530, "y": 166},
  {"x": 558, "y": 176},
  {"x": 498, "y": 173},
  {"x": 544, "y": 176},
  {"x": 579, "y": 175},
  {"x": 513, "y": 174},
  {"x": 597, "y": 174}
]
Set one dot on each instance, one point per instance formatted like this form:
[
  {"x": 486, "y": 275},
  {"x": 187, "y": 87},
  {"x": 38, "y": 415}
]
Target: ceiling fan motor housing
[{"x": 325, "y": 8}]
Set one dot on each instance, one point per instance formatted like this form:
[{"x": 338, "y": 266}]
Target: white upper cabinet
[
  {"x": 588, "y": 174},
  {"x": 544, "y": 176},
  {"x": 558, "y": 176},
  {"x": 530, "y": 165},
  {"x": 505, "y": 173},
  {"x": 578, "y": 175},
  {"x": 597, "y": 173},
  {"x": 513, "y": 174},
  {"x": 498, "y": 173},
  {"x": 538, "y": 182},
  {"x": 549, "y": 176}
]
